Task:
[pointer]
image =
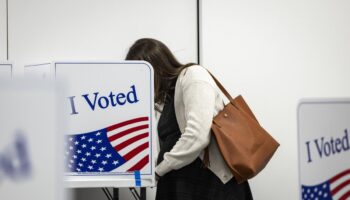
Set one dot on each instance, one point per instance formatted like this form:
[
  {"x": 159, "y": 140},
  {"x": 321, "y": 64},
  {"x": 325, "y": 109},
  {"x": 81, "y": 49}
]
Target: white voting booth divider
[
  {"x": 5, "y": 69},
  {"x": 30, "y": 154},
  {"x": 111, "y": 138},
  {"x": 43, "y": 70},
  {"x": 324, "y": 149}
]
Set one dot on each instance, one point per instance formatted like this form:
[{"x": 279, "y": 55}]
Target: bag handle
[
  {"x": 223, "y": 90},
  {"x": 206, "y": 161},
  {"x": 221, "y": 87}
]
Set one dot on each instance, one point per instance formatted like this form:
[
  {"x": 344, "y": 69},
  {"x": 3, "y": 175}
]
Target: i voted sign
[
  {"x": 5, "y": 69},
  {"x": 104, "y": 101},
  {"x": 324, "y": 149},
  {"x": 110, "y": 141},
  {"x": 30, "y": 154}
]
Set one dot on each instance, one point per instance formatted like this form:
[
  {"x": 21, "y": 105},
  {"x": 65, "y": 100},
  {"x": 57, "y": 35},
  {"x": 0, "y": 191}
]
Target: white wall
[
  {"x": 45, "y": 30},
  {"x": 3, "y": 30},
  {"x": 275, "y": 53}
]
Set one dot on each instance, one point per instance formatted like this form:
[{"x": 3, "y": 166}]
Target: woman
[{"x": 188, "y": 99}]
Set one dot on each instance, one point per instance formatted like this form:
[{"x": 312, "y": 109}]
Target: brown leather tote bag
[{"x": 244, "y": 144}]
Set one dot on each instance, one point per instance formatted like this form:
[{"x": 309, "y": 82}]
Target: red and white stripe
[
  {"x": 340, "y": 185},
  {"x": 131, "y": 140}
]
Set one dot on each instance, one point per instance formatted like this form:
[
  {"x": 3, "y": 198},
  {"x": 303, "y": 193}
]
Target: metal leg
[
  {"x": 134, "y": 193},
  {"x": 143, "y": 193},
  {"x": 137, "y": 196},
  {"x": 115, "y": 193},
  {"x": 107, "y": 193}
]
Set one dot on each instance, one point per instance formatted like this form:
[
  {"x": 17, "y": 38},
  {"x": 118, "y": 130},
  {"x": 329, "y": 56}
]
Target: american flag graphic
[
  {"x": 336, "y": 188},
  {"x": 123, "y": 147}
]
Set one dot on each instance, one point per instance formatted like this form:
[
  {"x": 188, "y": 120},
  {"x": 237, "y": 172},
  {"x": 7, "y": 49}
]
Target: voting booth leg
[
  {"x": 143, "y": 193},
  {"x": 115, "y": 193},
  {"x": 137, "y": 196},
  {"x": 115, "y": 196},
  {"x": 107, "y": 193}
]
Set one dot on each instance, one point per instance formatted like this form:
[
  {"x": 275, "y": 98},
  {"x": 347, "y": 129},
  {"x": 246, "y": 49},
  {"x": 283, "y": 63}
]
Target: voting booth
[
  {"x": 111, "y": 139},
  {"x": 30, "y": 154},
  {"x": 5, "y": 69},
  {"x": 324, "y": 149},
  {"x": 42, "y": 70}
]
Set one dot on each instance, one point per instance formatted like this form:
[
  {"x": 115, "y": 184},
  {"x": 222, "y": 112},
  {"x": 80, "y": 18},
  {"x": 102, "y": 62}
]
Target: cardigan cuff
[{"x": 163, "y": 168}]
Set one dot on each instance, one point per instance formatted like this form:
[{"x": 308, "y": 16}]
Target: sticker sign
[
  {"x": 324, "y": 149},
  {"x": 110, "y": 141},
  {"x": 30, "y": 157}
]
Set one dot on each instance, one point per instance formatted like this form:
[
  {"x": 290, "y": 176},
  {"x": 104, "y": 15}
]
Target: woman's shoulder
[{"x": 196, "y": 73}]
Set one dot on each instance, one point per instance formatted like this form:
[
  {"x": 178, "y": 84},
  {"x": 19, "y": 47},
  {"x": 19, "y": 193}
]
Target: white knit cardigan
[{"x": 197, "y": 101}]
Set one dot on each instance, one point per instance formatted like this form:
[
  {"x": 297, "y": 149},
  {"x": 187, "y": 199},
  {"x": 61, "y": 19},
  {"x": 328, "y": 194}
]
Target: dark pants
[{"x": 194, "y": 182}]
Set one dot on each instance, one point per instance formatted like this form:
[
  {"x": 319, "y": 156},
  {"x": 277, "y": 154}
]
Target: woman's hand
[{"x": 157, "y": 176}]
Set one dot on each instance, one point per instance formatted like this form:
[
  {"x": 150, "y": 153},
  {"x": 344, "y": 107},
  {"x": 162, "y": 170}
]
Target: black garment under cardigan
[{"x": 192, "y": 182}]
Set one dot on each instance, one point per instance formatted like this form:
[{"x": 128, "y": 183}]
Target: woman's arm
[{"x": 199, "y": 101}]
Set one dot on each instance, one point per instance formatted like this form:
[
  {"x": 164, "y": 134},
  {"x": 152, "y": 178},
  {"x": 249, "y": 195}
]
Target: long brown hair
[{"x": 165, "y": 65}]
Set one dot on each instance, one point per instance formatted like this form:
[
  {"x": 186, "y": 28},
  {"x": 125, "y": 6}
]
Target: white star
[
  {"x": 70, "y": 139},
  {"x": 82, "y": 137},
  {"x": 103, "y": 149},
  {"x": 90, "y": 140},
  {"x": 78, "y": 151},
  {"x": 98, "y": 133},
  {"x": 88, "y": 154},
  {"x": 100, "y": 169},
  {"x": 115, "y": 162},
  {"x": 84, "y": 145},
  {"x": 78, "y": 169},
  {"x": 93, "y": 148},
  {"x": 71, "y": 161},
  {"x": 80, "y": 164},
  {"x": 99, "y": 141},
  {"x": 75, "y": 157},
  {"x": 97, "y": 155},
  {"x": 108, "y": 155},
  {"x": 71, "y": 148},
  {"x": 104, "y": 162},
  {"x": 76, "y": 142},
  {"x": 90, "y": 167},
  {"x": 83, "y": 159},
  {"x": 93, "y": 161}
]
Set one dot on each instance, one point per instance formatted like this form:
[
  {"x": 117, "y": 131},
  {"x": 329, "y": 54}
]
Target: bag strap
[
  {"x": 206, "y": 162},
  {"x": 221, "y": 87}
]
